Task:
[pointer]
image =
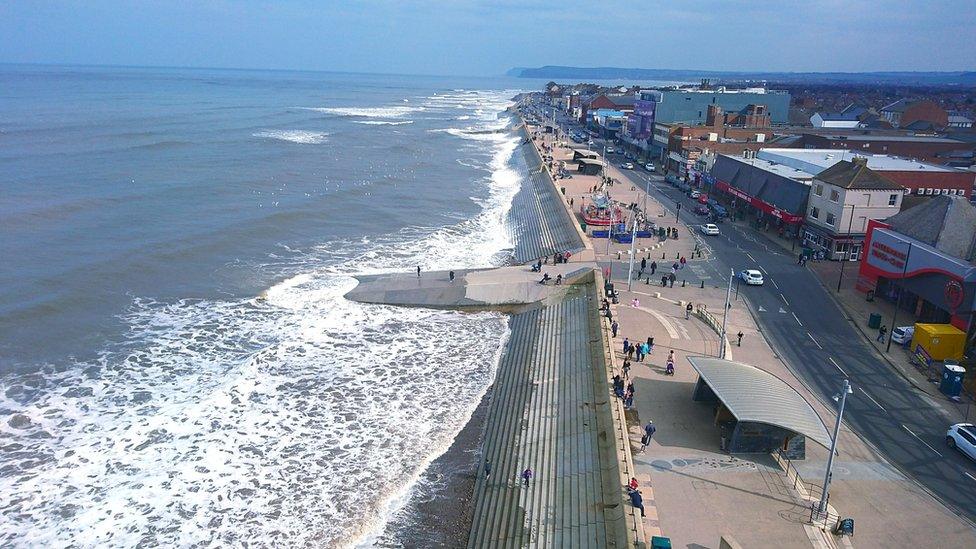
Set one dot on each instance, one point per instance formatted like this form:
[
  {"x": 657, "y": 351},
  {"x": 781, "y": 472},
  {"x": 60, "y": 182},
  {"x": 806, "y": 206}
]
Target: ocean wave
[
  {"x": 303, "y": 137},
  {"x": 368, "y": 112},
  {"x": 383, "y": 122}
]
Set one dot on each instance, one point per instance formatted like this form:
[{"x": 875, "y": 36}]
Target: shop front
[{"x": 925, "y": 282}]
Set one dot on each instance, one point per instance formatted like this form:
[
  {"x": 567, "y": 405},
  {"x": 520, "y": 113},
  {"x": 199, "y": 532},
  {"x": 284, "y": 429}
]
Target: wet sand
[{"x": 438, "y": 513}]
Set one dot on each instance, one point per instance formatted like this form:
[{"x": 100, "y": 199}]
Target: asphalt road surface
[{"x": 819, "y": 343}]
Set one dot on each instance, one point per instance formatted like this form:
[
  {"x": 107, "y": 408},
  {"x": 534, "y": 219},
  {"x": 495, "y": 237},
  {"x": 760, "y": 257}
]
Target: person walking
[
  {"x": 487, "y": 468},
  {"x": 739, "y": 335},
  {"x": 653, "y": 267},
  {"x": 626, "y": 369},
  {"x": 799, "y": 259},
  {"x": 418, "y": 271},
  {"x": 613, "y": 328},
  {"x": 451, "y": 275},
  {"x": 683, "y": 261},
  {"x": 626, "y": 345},
  {"x": 643, "y": 263},
  {"x": 526, "y": 476},
  {"x": 688, "y": 309},
  {"x": 671, "y": 280},
  {"x": 649, "y": 430},
  {"x": 881, "y": 333},
  {"x": 645, "y": 349}
]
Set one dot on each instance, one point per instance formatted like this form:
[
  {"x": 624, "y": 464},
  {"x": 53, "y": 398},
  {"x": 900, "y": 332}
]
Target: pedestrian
[
  {"x": 629, "y": 401},
  {"x": 645, "y": 349},
  {"x": 688, "y": 309},
  {"x": 881, "y": 333},
  {"x": 487, "y": 468},
  {"x": 649, "y": 429},
  {"x": 664, "y": 281},
  {"x": 671, "y": 280},
  {"x": 633, "y": 483},
  {"x": 650, "y": 343},
  {"x": 630, "y": 351},
  {"x": 683, "y": 261},
  {"x": 626, "y": 368},
  {"x": 643, "y": 263},
  {"x": 671, "y": 355},
  {"x": 626, "y": 345},
  {"x": 613, "y": 328},
  {"x": 418, "y": 271},
  {"x": 799, "y": 260},
  {"x": 635, "y": 303},
  {"x": 451, "y": 274},
  {"x": 637, "y": 501},
  {"x": 739, "y": 335},
  {"x": 526, "y": 475},
  {"x": 645, "y": 440},
  {"x": 606, "y": 305},
  {"x": 653, "y": 267}
]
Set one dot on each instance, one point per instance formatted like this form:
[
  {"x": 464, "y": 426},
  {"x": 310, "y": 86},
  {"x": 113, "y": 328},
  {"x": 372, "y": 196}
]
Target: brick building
[
  {"x": 921, "y": 147},
  {"x": 905, "y": 112}
]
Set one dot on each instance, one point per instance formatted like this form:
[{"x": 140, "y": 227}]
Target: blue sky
[{"x": 468, "y": 37}]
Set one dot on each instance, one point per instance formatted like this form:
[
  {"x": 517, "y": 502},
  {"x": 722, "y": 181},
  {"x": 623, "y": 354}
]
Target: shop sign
[
  {"x": 953, "y": 293},
  {"x": 888, "y": 255}
]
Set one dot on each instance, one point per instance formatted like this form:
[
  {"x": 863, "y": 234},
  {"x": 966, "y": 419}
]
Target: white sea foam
[
  {"x": 295, "y": 136},
  {"x": 295, "y": 418},
  {"x": 383, "y": 122},
  {"x": 369, "y": 112}
]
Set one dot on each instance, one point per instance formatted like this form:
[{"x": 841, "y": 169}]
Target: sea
[{"x": 178, "y": 365}]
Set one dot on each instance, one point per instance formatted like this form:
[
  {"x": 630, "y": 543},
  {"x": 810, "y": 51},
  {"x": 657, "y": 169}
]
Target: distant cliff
[{"x": 960, "y": 78}]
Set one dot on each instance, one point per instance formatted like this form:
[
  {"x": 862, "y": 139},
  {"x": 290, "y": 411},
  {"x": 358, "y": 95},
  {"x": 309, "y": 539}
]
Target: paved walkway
[{"x": 694, "y": 493}]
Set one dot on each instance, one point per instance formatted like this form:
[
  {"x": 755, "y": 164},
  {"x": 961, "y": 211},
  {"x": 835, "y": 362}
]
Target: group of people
[
  {"x": 640, "y": 349},
  {"x": 624, "y": 390},
  {"x": 546, "y": 278}
]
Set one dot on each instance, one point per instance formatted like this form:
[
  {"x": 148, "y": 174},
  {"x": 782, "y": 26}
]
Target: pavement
[{"x": 791, "y": 329}]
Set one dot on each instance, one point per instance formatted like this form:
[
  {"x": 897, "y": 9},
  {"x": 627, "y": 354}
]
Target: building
[
  {"x": 922, "y": 260},
  {"x": 905, "y": 112},
  {"x": 608, "y": 122},
  {"x": 849, "y": 117},
  {"x": 921, "y": 179},
  {"x": 771, "y": 194},
  {"x": 843, "y": 198},
  {"x": 959, "y": 121},
  {"x": 688, "y": 144},
  {"x": 921, "y": 147}
]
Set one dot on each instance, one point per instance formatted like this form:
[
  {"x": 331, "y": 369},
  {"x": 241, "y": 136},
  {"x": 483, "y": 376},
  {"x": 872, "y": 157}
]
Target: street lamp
[
  {"x": 894, "y": 316},
  {"x": 677, "y": 212},
  {"x": 842, "y": 398},
  {"x": 845, "y": 259},
  {"x": 725, "y": 315}
]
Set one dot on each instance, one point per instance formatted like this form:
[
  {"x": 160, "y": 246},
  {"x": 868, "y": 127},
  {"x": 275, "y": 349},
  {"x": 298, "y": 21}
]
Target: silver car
[{"x": 963, "y": 437}]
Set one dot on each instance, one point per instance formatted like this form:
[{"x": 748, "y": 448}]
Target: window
[
  {"x": 815, "y": 213},
  {"x": 830, "y": 218},
  {"x": 928, "y": 191},
  {"x": 892, "y": 199},
  {"x": 920, "y": 190},
  {"x": 818, "y": 190},
  {"x": 834, "y": 196}
]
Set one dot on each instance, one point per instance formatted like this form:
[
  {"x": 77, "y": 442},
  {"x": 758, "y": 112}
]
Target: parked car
[
  {"x": 692, "y": 193},
  {"x": 751, "y": 277},
  {"x": 963, "y": 437},
  {"x": 649, "y": 167},
  {"x": 701, "y": 210},
  {"x": 627, "y": 166},
  {"x": 610, "y": 150},
  {"x": 709, "y": 228},
  {"x": 903, "y": 335},
  {"x": 590, "y": 142}
]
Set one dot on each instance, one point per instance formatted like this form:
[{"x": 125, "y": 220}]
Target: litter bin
[
  {"x": 952, "y": 375},
  {"x": 660, "y": 542},
  {"x": 874, "y": 321}
]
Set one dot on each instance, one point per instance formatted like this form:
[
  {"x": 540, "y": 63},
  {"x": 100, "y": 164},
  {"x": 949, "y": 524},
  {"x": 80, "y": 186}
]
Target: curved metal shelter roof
[{"x": 758, "y": 396}]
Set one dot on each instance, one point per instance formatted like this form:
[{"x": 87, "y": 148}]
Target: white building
[{"x": 842, "y": 200}]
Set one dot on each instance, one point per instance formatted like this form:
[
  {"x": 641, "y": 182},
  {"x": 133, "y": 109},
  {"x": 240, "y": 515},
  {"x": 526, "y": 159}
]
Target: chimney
[{"x": 713, "y": 117}]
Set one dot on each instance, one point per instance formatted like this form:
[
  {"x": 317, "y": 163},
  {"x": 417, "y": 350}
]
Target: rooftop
[
  {"x": 856, "y": 175},
  {"x": 906, "y": 138},
  {"x": 777, "y": 168},
  {"x": 947, "y": 223},
  {"x": 816, "y": 160}
]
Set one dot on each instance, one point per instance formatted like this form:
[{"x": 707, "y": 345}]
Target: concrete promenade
[{"x": 694, "y": 492}]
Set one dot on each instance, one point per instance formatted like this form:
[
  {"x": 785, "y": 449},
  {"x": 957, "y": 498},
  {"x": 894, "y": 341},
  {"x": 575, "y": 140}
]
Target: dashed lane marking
[
  {"x": 815, "y": 342},
  {"x": 922, "y": 441},
  {"x": 784, "y": 299},
  {"x": 968, "y": 475},
  {"x": 834, "y": 362},
  {"x": 797, "y": 319},
  {"x": 763, "y": 270},
  {"x": 876, "y": 403},
  {"x": 750, "y": 257},
  {"x": 774, "y": 283}
]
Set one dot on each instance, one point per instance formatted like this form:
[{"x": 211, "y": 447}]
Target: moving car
[
  {"x": 610, "y": 150},
  {"x": 649, "y": 167},
  {"x": 903, "y": 335},
  {"x": 709, "y": 228},
  {"x": 963, "y": 437},
  {"x": 627, "y": 166},
  {"x": 701, "y": 210},
  {"x": 693, "y": 193},
  {"x": 751, "y": 277}
]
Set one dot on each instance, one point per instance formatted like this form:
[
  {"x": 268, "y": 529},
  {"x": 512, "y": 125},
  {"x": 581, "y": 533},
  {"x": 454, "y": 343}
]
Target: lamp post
[
  {"x": 677, "y": 212},
  {"x": 845, "y": 259},
  {"x": 894, "y": 316},
  {"x": 842, "y": 398},
  {"x": 633, "y": 240},
  {"x": 725, "y": 315}
]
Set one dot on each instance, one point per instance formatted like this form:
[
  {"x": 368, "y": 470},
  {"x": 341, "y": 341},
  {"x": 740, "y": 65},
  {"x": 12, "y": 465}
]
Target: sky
[{"x": 482, "y": 37}]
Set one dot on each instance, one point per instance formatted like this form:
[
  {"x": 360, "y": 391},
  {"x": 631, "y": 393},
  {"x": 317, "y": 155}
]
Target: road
[{"x": 815, "y": 338}]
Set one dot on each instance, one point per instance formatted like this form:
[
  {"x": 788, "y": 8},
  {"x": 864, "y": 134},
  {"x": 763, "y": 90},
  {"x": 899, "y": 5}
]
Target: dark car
[{"x": 701, "y": 210}]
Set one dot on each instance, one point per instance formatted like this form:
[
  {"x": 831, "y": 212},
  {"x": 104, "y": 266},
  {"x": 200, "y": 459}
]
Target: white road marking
[
  {"x": 922, "y": 441},
  {"x": 968, "y": 475},
  {"x": 797, "y": 319},
  {"x": 667, "y": 323},
  {"x": 815, "y": 342},
  {"x": 834, "y": 362},
  {"x": 750, "y": 257},
  {"x": 782, "y": 311},
  {"x": 761, "y": 310},
  {"x": 872, "y": 400},
  {"x": 784, "y": 299},
  {"x": 763, "y": 270},
  {"x": 774, "y": 283}
]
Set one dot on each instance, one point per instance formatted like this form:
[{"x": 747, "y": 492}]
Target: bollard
[
  {"x": 703, "y": 285},
  {"x": 663, "y": 255},
  {"x": 682, "y": 283},
  {"x": 677, "y": 255}
]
